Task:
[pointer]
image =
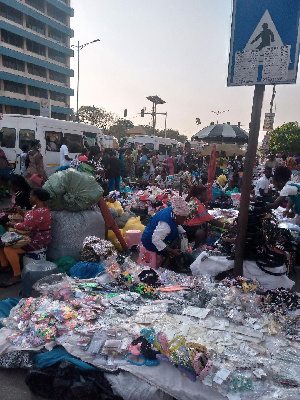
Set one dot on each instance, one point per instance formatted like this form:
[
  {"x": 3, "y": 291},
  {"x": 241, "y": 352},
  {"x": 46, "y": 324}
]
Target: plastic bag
[
  {"x": 73, "y": 191},
  {"x": 113, "y": 239},
  {"x": 133, "y": 224},
  {"x": 116, "y": 206}
]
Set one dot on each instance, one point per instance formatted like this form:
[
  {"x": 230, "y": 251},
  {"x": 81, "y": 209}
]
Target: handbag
[{"x": 24, "y": 239}]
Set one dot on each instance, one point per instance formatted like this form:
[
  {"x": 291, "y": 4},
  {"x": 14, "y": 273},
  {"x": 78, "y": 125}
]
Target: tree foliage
[
  {"x": 97, "y": 116},
  {"x": 119, "y": 129},
  {"x": 286, "y": 139},
  {"x": 116, "y": 126}
]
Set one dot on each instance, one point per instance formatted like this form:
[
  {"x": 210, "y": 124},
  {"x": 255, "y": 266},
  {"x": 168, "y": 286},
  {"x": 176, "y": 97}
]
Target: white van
[
  {"x": 17, "y": 130},
  {"x": 163, "y": 145}
]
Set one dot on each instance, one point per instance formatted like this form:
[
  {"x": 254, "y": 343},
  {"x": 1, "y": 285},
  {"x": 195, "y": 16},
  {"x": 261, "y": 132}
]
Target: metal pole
[
  {"x": 247, "y": 179},
  {"x": 154, "y": 117},
  {"x": 166, "y": 125},
  {"x": 78, "y": 49}
]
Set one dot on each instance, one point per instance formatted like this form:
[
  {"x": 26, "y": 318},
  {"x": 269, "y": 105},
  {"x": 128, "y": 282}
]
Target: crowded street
[{"x": 139, "y": 261}]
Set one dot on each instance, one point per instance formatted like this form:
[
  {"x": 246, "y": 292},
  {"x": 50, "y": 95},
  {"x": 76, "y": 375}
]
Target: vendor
[
  {"x": 164, "y": 227},
  {"x": 281, "y": 180},
  {"x": 263, "y": 184},
  {"x": 196, "y": 223},
  {"x": 161, "y": 180},
  {"x": 21, "y": 190},
  {"x": 38, "y": 222},
  {"x": 147, "y": 174}
]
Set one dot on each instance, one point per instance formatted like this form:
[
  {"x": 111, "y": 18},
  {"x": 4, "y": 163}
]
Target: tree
[
  {"x": 119, "y": 129},
  {"x": 286, "y": 139},
  {"x": 97, "y": 116}
]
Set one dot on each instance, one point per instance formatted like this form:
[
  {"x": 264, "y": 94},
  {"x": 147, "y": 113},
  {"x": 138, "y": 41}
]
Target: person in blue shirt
[
  {"x": 165, "y": 226},
  {"x": 142, "y": 163}
]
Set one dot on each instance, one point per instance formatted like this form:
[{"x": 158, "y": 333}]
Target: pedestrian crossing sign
[{"x": 264, "y": 46}]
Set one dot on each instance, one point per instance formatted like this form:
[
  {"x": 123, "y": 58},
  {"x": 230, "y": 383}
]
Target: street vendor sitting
[
  {"x": 196, "y": 223},
  {"x": 164, "y": 227},
  {"x": 281, "y": 180}
]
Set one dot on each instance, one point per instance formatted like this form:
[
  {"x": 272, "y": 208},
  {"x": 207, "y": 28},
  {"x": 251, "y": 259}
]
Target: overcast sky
[{"x": 176, "y": 49}]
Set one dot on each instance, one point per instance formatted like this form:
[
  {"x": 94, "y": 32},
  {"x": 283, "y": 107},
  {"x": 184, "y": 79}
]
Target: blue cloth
[
  {"x": 164, "y": 216},
  {"x": 114, "y": 183},
  {"x": 85, "y": 270},
  {"x": 56, "y": 355},
  {"x": 143, "y": 160},
  {"x": 63, "y": 168},
  {"x": 6, "y": 306},
  {"x": 216, "y": 192},
  {"x": 295, "y": 199}
]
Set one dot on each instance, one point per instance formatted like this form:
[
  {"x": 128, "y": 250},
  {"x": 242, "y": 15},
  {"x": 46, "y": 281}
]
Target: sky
[{"x": 176, "y": 49}]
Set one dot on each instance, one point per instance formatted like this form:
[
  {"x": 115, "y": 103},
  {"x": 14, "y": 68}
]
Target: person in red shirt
[
  {"x": 196, "y": 224},
  {"x": 38, "y": 223}
]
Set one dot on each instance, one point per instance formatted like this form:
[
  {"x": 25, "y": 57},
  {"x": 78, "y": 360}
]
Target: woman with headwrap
[
  {"x": 196, "y": 223},
  {"x": 164, "y": 227}
]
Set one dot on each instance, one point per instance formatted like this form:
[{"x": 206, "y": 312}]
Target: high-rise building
[{"x": 35, "y": 56}]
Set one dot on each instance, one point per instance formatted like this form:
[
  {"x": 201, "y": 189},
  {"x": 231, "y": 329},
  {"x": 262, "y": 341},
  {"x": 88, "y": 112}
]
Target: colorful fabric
[
  {"x": 38, "y": 222},
  {"x": 199, "y": 214}
]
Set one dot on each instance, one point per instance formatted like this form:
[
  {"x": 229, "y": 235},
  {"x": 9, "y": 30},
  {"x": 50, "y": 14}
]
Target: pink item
[
  {"x": 135, "y": 350},
  {"x": 133, "y": 238},
  {"x": 201, "y": 374},
  {"x": 147, "y": 258}
]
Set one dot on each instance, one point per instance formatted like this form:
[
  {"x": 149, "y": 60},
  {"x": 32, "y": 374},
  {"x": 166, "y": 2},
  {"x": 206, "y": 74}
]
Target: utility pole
[
  {"x": 79, "y": 47},
  {"x": 272, "y": 99},
  {"x": 155, "y": 100}
]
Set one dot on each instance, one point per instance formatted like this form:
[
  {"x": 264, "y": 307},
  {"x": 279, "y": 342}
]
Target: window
[
  {"x": 74, "y": 142},
  {"x": 149, "y": 146},
  {"x": 63, "y": 117},
  {"x": 8, "y": 137},
  {"x": 56, "y": 13},
  {"x": 25, "y": 137},
  {"x": 90, "y": 138},
  {"x": 57, "y": 35},
  {"x": 38, "y": 4},
  {"x": 36, "y": 48},
  {"x": 35, "y": 25},
  {"x": 14, "y": 87},
  {"x": 57, "y": 56},
  {"x": 11, "y": 14},
  {"x": 13, "y": 63},
  {"x": 34, "y": 112},
  {"x": 11, "y": 38},
  {"x": 36, "y": 70},
  {"x": 58, "y": 96},
  {"x": 37, "y": 92},
  {"x": 57, "y": 76},
  {"x": 53, "y": 141}
]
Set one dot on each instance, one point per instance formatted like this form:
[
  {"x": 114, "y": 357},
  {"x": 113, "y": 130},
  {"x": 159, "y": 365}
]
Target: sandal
[{"x": 13, "y": 281}]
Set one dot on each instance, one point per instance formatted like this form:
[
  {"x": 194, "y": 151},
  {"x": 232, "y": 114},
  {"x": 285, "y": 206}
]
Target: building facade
[{"x": 35, "y": 56}]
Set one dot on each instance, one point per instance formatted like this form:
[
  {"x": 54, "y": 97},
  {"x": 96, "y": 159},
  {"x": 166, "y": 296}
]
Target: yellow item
[
  {"x": 222, "y": 180},
  {"x": 133, "y": 224},
  {"x": 116, "y": 206},
  {"x": 113, "y": 239}
]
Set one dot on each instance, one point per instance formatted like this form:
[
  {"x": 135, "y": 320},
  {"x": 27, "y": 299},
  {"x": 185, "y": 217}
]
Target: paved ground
[{"x": 12, "y": 382}]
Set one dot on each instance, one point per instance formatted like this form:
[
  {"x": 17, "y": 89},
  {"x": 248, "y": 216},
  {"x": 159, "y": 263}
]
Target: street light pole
[{"x": 80, "y": 47}]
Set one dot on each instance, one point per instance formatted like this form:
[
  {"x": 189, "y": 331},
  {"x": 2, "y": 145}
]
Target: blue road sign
[{"x": 264, "y": 48}]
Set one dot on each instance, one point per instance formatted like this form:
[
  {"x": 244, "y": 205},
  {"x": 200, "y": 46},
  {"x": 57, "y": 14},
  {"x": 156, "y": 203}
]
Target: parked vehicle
[{"x": 17, "y": 130}]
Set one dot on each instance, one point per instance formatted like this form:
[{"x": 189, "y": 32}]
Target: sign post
[
  {"x": 45, "y": 108},
  {"x": 264, "y": 50}
]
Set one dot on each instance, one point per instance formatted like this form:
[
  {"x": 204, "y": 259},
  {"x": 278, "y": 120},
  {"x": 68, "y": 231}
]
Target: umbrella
[
  {"x": 211, "y": 173},
  {"x": 222, "y": 133},
  {"x": 229, "y": 148}
]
